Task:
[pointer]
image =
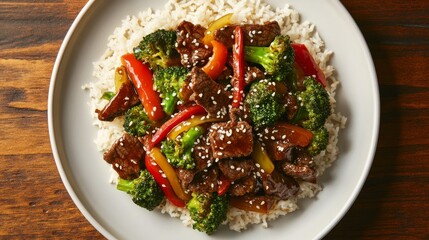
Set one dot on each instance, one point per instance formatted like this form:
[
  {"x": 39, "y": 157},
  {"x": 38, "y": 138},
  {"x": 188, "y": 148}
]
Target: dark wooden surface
[{"x": 394, "y": 202}]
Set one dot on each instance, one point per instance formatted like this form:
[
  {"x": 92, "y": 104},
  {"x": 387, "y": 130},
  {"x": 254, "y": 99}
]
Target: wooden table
[{"x": 394, "y": 202}]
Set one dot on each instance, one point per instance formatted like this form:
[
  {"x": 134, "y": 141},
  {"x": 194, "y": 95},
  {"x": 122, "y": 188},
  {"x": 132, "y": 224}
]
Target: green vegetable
[
  {"x": 207, "y": 211},
  {"x": 144, "y": 191},
  {"x": 168, "y": 82},
  {"x": 179, "y": 153},
  {"x": 264, "y": 103},
  {"x": 108, "y": 95},
  {"x": 319, "y": 141},
  {"x": 277, "y": 59},
  {"x": 314, "y": 106},
  {"x": 136, "y": 121},
  {"x": 158, "y": 49}
]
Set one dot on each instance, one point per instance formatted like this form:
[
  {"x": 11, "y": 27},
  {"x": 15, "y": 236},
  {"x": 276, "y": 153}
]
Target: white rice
[{"x": 133, "y": 28}]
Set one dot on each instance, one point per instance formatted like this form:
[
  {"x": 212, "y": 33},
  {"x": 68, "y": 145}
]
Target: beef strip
[
  {"x": 254, "y": 34},
  {"x": 300, "y": 166},
  {"x": 203, "y": 154},
  {"x": 205, "y": 181},
  {"x": 185, "y": 176},
  {"x": 243, "y": 186},
  {"x": 240, "y": 114},
  {"x": 192, "y": 50},
  {"x": 209, "y": 94},
  {"x": 126, "y": 156},
  {"x": 291, "y": 105},
  {"x": 120, "y": 103},
  {"x": 236, "y": 168},
  {"x": 253, "y": 74},
  {"x": 231, "y": 139},
  {"x": 279, "y": 185}
]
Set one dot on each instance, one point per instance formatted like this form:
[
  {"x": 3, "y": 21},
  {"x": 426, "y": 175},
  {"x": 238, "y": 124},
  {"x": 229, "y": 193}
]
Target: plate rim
[{"x": 51, "y": 122}]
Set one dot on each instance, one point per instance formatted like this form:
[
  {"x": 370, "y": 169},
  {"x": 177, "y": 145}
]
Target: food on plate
[{"x": 219, "y": 118}]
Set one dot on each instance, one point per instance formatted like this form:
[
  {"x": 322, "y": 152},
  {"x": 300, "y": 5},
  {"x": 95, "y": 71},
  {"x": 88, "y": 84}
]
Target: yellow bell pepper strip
[
  {"x": 169, "y": 172},
  {"x": 120, "y": 77},
  {"x": 163, "y": 182},
  {"x": 188, "y": 124},
  {"x": 174, "y": 121},
  {"x": 217, "y": 24},
  {"x": 217, "y": 61},
  {"x": 238, "y": 67},
  {"x": 307, "y": 63},
  {"x": 261, "y": 157},
  {"x": 142, "y": 79}
]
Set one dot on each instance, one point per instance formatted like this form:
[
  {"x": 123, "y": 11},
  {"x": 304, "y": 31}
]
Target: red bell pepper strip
[
  {"x": 217, "y": 62},
  {"x": 162, "y": 182},
  {"x": 142, "y": 79},
  {"x": 238, "y": 67},
  {"x": 307, "y": 63},
  {"x": 174, "y": 121},
  {"x": 223, "y": 185}
]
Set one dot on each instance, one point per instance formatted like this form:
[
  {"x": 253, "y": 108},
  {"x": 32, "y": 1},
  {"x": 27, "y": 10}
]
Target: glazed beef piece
[
  {"x": 231, "y": 139},
  {"x": 208, "y": 93},
  {"x": 185, "y": 176},
  {"x": 126, "y": 156},
  {"x": 120, "y": 103},
  {"x": 236, "y": 168},
  {"x": 192, "y": 50},
  {"x": 243, "y": 186},
  {"x": 253, "y": 74},
  {"x": 239, "y": 114},
  {"x": 254, "y": 34},
  {"x": 203, "y": 154},
  {"x": 291, "y": 105},
  {"x": 205, "y": 181},
  {"x": 279, "y": 185},
  {"x": 300, "y": 166}
]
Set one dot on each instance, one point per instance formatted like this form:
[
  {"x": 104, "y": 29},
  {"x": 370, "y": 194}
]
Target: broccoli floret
[
  {"x": 179, "y": 153},
  {"x": 168, "y": 82},
  {"x": 264, "y": 103},
  {"x": 314, "y": 105},
  {"x": 158, "y": 49},
  {"x": 207, "y": 211},
  {"x": 137, "y": 122},
  {"x": 144, "y": 191},
  {"x": 319, "y": 142},
  {"x": 277, "y": 59}
]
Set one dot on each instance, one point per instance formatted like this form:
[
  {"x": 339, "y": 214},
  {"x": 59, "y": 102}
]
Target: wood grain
[{"x": 394, "y": 202}]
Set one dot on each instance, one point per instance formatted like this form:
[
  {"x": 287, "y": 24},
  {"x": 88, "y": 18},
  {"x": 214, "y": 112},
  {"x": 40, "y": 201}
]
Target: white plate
[{"x": 85, "y": 174}]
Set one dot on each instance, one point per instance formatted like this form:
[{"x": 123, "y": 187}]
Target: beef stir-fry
[{"x": 217, "y": 119}]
